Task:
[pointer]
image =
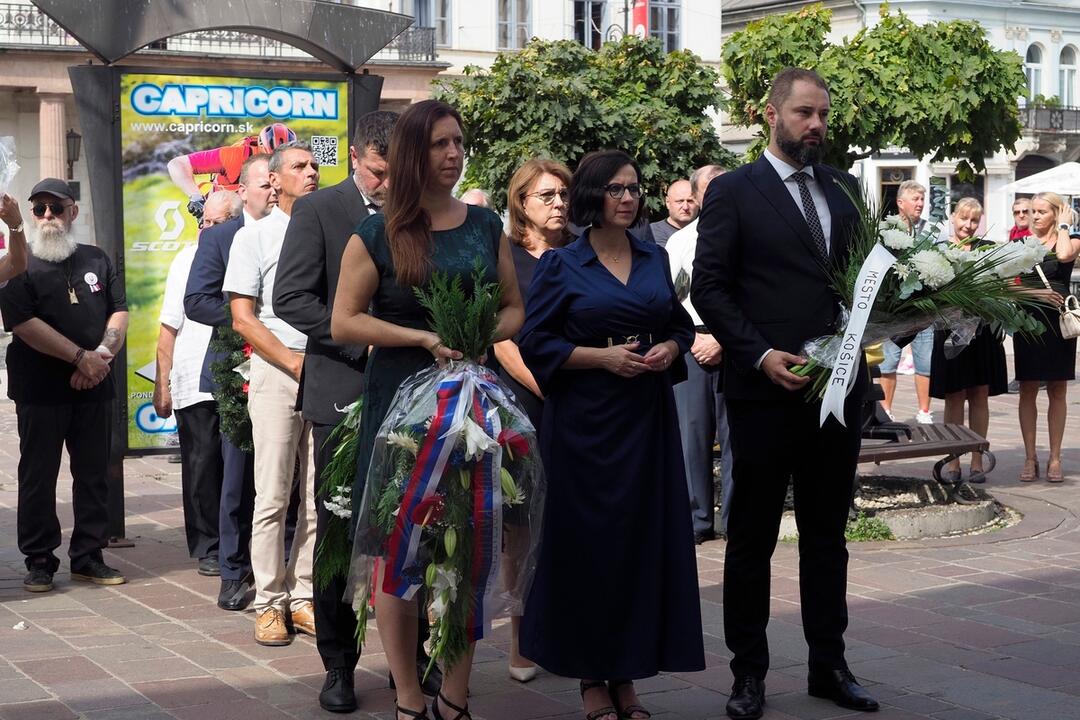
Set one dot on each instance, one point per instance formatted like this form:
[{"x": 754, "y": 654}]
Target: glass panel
[
  {"x": 504, "y": 35},
  {"x": 1034, "y": 54},
  {"x": 522, "y": 36},
  {"x": 504, "y": 10},
  {"x": 1068, "y": 56},
  {"x": 522, "y": 11}
]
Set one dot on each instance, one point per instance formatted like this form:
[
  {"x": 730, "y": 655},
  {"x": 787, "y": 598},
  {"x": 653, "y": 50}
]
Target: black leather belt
[{"x": 643, "y": 338}]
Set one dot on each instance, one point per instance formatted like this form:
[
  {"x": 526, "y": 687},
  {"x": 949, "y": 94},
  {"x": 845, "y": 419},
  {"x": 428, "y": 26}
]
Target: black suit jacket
[
  {"x": 758, "y": 282},
  {"x": 204, "y": 301},
  {"x": 304, "y": 289}
]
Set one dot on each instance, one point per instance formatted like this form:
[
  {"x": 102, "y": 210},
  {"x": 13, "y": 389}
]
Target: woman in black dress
[
  {"x": 424, "y": 228},
  {"x": 615, "y": 596},
  {"x": 1048, "y": 358},
  {"x": 538, "y": 203},
  {"x": 979, "y": 371}
]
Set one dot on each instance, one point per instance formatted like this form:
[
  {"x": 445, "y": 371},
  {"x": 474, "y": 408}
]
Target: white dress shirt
[
  {"x": 817, "y": 194},
  {"x": 253, "y": 262},
  {"x": 681, "y": 248},
  {"x": 192, "y": 338}
]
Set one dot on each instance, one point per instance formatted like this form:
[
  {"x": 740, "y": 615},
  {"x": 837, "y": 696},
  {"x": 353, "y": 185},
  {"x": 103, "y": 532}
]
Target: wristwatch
[
  {"x": 1064, "y": 226},
  {"x": 18, "y": 228}
]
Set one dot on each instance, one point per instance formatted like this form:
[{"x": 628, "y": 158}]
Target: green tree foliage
[
  {"x": 560, "y": 100},
  {"x": 939, "y": 89}
]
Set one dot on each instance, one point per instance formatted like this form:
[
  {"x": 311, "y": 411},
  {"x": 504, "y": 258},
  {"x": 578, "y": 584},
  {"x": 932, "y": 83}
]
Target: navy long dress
[{"x": 615, "y": 594}]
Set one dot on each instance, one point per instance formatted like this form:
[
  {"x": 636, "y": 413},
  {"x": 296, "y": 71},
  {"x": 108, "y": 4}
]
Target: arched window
[
  {"x": 1067, "y": 76},
  {"x": 1033, "y": 70}
]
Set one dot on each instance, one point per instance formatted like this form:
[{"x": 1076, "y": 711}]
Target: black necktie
[{"x": 810, "y": 212}]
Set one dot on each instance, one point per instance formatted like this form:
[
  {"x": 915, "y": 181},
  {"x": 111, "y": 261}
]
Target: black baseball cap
[{"x": 55, "y": 187}]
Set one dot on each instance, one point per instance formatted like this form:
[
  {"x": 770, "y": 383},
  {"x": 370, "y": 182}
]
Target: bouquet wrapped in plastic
[
  {"x": 895, "y": 283},
  {"x": 455, "y": 465},
  {"x": 8, "y": 166}
]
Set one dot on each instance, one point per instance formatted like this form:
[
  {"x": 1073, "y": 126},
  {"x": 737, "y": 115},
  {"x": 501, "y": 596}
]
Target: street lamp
[{"x": 74, "y": 145}]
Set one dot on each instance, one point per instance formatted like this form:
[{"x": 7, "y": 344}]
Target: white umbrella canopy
[{"x": 1063, "y": 180}]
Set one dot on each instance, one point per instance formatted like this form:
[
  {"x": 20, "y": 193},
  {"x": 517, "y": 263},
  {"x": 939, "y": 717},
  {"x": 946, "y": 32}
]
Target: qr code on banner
[{"x": 324, "y": 148}]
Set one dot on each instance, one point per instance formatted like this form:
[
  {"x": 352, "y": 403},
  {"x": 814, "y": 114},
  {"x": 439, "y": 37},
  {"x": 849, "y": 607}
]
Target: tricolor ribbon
[
  {"x": 871, "y": 276},
  {"x": 487, "y": 522}
]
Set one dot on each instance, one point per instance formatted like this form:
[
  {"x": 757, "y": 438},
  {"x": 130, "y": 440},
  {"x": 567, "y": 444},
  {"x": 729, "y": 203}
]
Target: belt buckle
[{"x": 630, "y": 339}]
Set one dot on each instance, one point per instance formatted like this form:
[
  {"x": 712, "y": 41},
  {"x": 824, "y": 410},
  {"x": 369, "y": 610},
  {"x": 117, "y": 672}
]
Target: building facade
[{"x": 1045, "y": 33}]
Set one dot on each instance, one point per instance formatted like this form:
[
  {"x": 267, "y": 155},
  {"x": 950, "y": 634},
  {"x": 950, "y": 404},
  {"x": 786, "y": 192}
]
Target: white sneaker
[{"x": 924, "y": 417}]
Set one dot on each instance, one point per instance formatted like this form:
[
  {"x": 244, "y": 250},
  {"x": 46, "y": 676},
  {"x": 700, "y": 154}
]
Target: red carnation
[
  {"x": 428, "y": 510},
  {"x": 245, "y": 388},
  {"x": 514, "y": 442},
  {"x": 247, "y": 351}
]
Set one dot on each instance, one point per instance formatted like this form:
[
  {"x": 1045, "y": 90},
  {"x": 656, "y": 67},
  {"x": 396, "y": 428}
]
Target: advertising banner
[{"x": 213, "y": 124}]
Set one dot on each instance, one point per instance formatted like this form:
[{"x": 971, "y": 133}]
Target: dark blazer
[
  {"x": 304, "y": 288},
  {"x": 204, "y": 301},
  {"x": 758, "y": 281}
]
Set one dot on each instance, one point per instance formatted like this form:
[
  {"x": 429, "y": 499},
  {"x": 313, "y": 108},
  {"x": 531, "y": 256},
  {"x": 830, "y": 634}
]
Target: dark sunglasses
[
  {"x": 55, "y": 208},
  {"x": 1021, "y": 212},
  {"x": 617, "y": 190}
]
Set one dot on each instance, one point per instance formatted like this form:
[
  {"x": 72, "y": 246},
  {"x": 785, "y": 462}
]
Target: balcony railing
[
  {"x": 25, "y": 25},
  {"x": 1050, "y": 119}
]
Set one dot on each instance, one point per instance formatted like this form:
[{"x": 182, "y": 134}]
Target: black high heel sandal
[
  {"x": 596, "y": 714},
  {"x": 462, "y": 712},
  {"x": 415, "y": 714},
  {"x": 626, "y": 713}
]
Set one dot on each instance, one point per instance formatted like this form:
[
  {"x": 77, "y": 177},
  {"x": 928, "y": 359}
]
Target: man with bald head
[
  {"x": 682, "y": 209},
  {"x": 699, "y": 400},
  {"x": 182, "y": 345}
]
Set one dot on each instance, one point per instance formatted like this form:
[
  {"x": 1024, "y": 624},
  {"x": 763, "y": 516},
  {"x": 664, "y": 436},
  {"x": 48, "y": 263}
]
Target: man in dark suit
[
  {"x": 204, "y": 302},
  {"x": 306, "y": 283},
  {"x": 767, "y": 234}
]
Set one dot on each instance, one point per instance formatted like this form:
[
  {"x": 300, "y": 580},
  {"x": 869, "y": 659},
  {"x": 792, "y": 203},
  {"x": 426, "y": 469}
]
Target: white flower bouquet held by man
[
  {"x": 894, "y": 283},
  {"x": 454, "y": 460}
]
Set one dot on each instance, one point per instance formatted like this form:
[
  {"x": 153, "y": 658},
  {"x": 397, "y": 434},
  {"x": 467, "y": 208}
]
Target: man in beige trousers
[{"x": 281, "y": 436}]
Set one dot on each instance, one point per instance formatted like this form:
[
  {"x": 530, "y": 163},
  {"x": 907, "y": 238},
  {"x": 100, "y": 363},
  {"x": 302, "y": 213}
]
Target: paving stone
[
  {"x": 187, "y": 692},
  {"x": 961, "y": 714},
  {"x": 62, "y": 670},
  {"x": 97, "y": 695},
  {"x": 46, "y": 710},
  {"x": 20, "y": 690}
]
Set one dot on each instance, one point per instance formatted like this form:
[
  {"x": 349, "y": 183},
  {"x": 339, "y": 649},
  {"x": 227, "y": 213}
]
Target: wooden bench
[{"x": 914, "y": 441}]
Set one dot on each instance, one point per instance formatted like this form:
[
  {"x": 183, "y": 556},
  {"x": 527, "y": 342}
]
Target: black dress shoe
[
  {"x": 338, "y": 694},
  {"x": 747, "y": 701},
  {"x": 842, "y": 688},
  {"x": 234, "y": 594},
  {"x": 432, "y": 685},
  {"x": 209, "y": 566},
  {"x": 704, "y": 536}
]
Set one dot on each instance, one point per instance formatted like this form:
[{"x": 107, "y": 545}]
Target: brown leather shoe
[
  {"x": 270, "y": 628},
  {"x": 303, "y": 619}
]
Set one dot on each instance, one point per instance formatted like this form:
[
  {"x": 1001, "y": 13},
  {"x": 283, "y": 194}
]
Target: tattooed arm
[{"x": 115, "y": 330}]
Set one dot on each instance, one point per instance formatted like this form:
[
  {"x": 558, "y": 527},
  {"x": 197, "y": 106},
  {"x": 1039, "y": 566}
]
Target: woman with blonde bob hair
[
  {"x": 978, "y": 371},
  {"x": 538, "y": 203},
  {"x": 1048, "y": 358}
]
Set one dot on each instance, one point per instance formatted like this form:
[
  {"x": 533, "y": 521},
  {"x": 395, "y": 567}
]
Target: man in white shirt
[
  {"x": 281, "y": 436},
  {"x": 699, "y": 399},
  {"x": 182, "y": 345}
]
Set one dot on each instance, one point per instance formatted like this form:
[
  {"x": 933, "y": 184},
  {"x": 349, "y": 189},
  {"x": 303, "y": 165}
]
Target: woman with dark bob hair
[
  {"x": 615, "y": 597},
  {"x": 424, "y": 228}
]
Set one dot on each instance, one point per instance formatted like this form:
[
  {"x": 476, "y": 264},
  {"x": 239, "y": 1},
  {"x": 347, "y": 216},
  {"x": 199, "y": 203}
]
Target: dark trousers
[
  {"x": 201, "y": 470},
  {"x": 237, "y": 506},
  {"x": 773, "y": 443},
  {"x": 699, "y": 401},
  {"x": 335, "y": 619},
  {"x": 44, "y": 430}
]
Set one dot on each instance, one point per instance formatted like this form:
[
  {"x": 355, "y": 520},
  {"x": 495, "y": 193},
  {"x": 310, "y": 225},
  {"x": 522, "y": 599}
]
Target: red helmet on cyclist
[{"x": 272, "y": 136}]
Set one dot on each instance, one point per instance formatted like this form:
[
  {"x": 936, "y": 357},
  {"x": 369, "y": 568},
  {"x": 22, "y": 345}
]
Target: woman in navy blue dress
[{"x": 615, "y": 597}]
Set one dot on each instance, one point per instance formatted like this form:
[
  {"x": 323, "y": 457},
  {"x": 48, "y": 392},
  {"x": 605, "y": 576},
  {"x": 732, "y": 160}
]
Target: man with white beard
[{"x": 69, "y": 317}]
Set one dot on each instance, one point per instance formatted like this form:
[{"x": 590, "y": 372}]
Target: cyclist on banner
[{"x": 223, "y": 164}]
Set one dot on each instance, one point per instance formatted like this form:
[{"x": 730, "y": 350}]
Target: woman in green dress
[{"x": 424, "y": 229}]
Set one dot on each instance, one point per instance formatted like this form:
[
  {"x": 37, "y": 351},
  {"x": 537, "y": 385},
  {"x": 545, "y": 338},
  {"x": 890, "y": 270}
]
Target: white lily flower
[{"x": 477, "y": 442}]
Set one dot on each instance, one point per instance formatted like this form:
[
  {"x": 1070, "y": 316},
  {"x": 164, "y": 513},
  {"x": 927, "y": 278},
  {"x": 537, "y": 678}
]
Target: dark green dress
[{"x": 455, "y": 252}]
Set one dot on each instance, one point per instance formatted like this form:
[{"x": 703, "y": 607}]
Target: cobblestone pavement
[{"x": 967, "y": 628}]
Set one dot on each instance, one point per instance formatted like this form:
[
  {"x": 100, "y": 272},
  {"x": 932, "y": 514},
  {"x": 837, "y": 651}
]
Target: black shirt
[{"x": 42, "y": 292}]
